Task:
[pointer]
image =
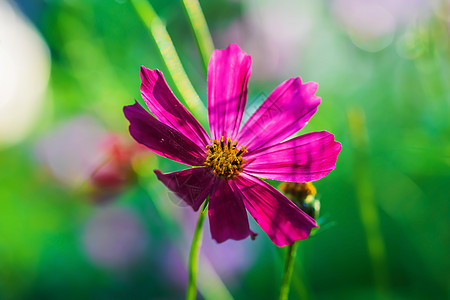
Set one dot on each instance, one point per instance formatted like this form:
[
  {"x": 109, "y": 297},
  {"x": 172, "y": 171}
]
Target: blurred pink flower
[
  {"x": 116, "y": 170},
  {"x": 372, "y": 24},
  {"x": 223, "y": 171},
  {"x": 275, "y": 34},
  {"x": 114, "y": 238},
  {"x": 81, "y": 151}
]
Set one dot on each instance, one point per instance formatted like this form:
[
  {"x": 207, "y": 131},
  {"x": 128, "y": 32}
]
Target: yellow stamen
[{"x": 224, "y": 159}]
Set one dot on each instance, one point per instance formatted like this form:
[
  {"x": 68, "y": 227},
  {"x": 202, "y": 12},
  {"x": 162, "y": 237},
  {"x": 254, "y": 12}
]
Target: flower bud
[{"x": 303, "y": 195}]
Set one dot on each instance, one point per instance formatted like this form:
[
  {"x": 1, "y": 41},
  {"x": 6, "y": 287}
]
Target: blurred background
[{"x": 82, "y": 215}]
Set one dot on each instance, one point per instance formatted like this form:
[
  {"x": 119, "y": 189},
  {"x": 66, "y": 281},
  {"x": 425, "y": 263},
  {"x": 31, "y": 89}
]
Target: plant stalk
[
  {"x": 170, "y": 57},
  {"x": 200, "y": 28},
  {"x": 191, "y": 291},
  {"x": 288, "y": 268}
]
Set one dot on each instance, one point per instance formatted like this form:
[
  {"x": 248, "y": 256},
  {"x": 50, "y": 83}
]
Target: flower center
[{"x": 224, "y": 158}]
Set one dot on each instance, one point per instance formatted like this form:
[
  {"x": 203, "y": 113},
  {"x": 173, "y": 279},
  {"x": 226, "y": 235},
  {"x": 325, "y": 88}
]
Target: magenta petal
[
  {"x": 227, "y": 216},
  {"x": 305, "y": 158},
  {"x": 162, "y": 139},
  {"x": 283, "y": 222},
  {"x": 228, "y": 73},
  {"x": 168, "y": 109},
  {"x": 192, "y": 185},
  {"x": 287, "y": 109}
]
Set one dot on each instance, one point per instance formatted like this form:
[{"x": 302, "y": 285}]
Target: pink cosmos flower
[{"x": 226, "y": 167}]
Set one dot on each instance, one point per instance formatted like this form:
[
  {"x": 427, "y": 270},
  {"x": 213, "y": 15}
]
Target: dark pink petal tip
[
  {"x": 168, "y": 109},
  {"x": 228, "y": 73},
  {"x": 227, "y": 216},
  {"x": 283, "y": 222},
  {"x": 191, "y": 185},
  {"x": 162, "y": 139},
  {"x": 287, "y": 110},
  {"x": 305, "y": 158}
]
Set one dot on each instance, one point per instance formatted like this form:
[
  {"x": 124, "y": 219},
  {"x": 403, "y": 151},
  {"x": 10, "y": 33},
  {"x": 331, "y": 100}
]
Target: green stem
[
  {"x": 288, "y": 267},
  {"x": 169, "y": 54},
  {"x": 191, "y": 292},
  {"x": 200, "y": 28}
]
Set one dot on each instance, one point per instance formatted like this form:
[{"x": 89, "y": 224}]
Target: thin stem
[
  {"x": 191, "y": 292},
  {"x": 288, "y": 267},
  {"x": 200, "y": 28},
  {"x": 170, "y": 57}
]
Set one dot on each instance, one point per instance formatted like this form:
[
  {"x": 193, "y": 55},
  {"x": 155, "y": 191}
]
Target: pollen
[{"x": 224, "y": 158}]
